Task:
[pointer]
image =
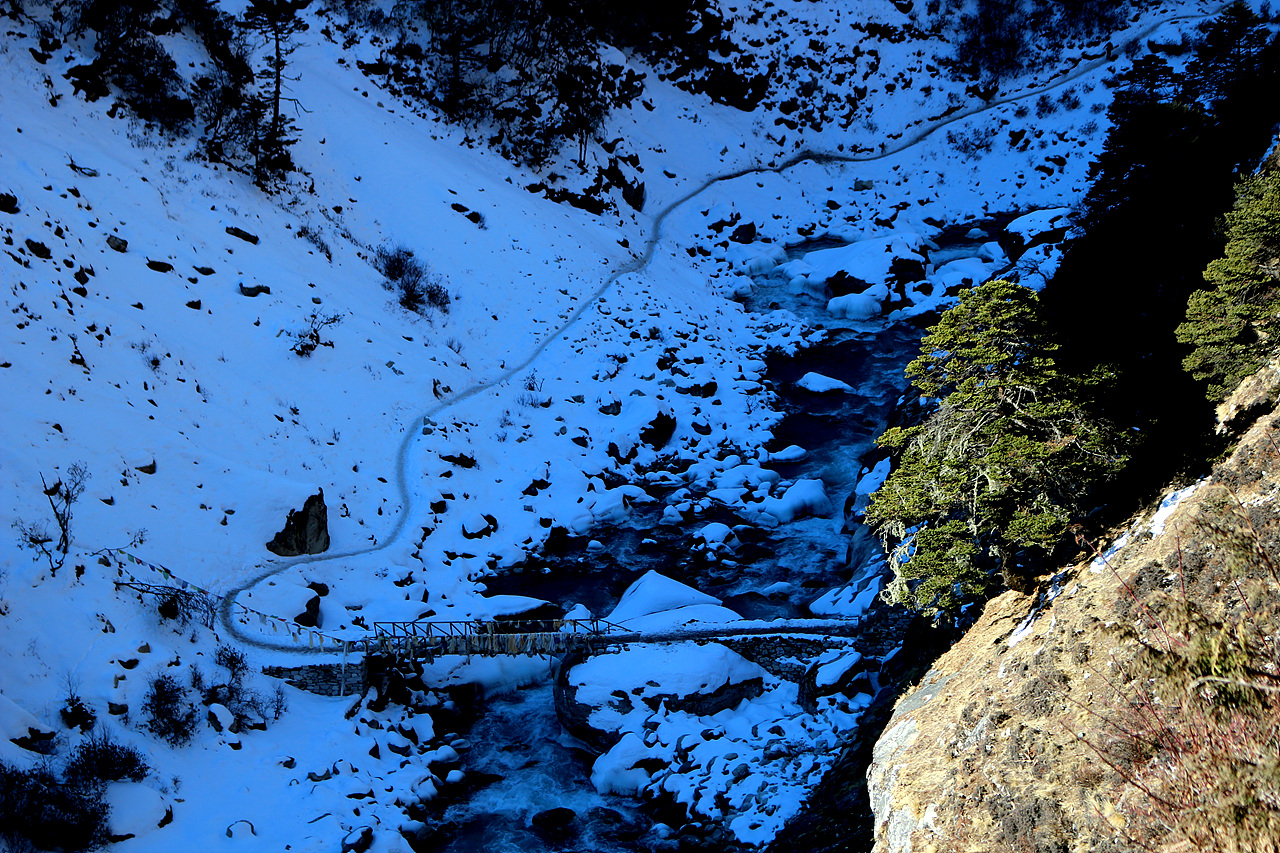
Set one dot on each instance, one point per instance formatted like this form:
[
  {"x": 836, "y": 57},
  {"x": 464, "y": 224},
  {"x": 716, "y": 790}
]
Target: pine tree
[
  {"x": 277, "y": 22},
  {"x": 988, "y": 482},
  {"x": 1230, "y": 324}
]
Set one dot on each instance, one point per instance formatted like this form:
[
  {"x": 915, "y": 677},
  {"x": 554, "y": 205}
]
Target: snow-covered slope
[{"x": 447, "y": 445}]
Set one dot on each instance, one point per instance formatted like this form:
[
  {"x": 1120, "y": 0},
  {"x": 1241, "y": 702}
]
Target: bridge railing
[{"x": 427, "y": 638}]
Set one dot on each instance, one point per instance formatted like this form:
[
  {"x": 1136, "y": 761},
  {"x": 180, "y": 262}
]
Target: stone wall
[
  {"x": 787, "y": 657},
  {"x": 324, "y": 679}
]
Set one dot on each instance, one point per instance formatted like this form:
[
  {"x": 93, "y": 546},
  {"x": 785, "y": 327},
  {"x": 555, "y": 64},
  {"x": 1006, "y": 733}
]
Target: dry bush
[{"x": 1194, "y": 727}]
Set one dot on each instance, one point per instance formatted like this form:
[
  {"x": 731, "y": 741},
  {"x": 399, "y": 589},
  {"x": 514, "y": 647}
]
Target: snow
[
  {"x": 1168, "y": 505},
  {"x": 656, "y": 603},
  {"x": 654, "y": 593},
  {"x": 615, "y": 771},
  {"x": 200, "y": 425},
  {"x": 682, "y": 670},
  {"x": 134, "y": 808}
]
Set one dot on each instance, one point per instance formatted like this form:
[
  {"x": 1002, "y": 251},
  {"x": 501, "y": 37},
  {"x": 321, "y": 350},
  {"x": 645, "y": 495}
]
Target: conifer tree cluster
[
  {"x": 987, "y": 484},
  {"x": 1041, "y": 400},
  {"x": 529, "y": 72},
  {"x": 1231, "y": 323},
  {"x": 236, "y": 123}
]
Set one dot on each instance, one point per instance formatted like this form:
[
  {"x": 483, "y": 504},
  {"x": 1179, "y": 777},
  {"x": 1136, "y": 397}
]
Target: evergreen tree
[
  {"x": 1227, "y": 55},
  {"x": 988, "y": 482},
  {"x": 992, "y": 45},
  {"x": 276, "y": 22},
  {"x": 1230, "y": 324},
  {"x": 130, "y": 58}
]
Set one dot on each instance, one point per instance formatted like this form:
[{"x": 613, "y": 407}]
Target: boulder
[
  {"x": 358, "y": 840},
  {"x": 306, "y": 531},
  {"x": 846, "y": 675},
  {"x": 658, "y": 432},
  {"x": 600, "y": 698},
  {"x": 554, "y": 823}
]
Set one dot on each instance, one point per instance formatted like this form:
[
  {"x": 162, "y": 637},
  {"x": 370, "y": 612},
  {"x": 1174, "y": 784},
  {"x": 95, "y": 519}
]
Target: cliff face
[{"x": 1020, "y": 737}]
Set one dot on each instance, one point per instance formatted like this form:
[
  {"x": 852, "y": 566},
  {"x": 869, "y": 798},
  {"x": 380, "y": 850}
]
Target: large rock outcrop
[
  {"x": 306, "y": 531},
  {"x": 1017, "y": 737}
]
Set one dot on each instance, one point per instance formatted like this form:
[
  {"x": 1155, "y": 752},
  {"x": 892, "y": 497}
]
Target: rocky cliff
[{"x": 1051, "y": 725}]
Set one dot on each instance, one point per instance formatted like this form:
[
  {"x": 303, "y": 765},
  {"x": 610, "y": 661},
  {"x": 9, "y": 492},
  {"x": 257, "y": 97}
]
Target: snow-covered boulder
[
  {"x": 805, "y": 497},
  {"x": 606, "y": 696},
  {"x": 21, "y": 731},
  {"x": 850, "y": 270},
  {"x": 1034, "y": 228},
  {"x": 818, "y": 384},
  {"x": 656, "y": 602},
  {"x": 135, "y": 809},
  {"x": 859, "y": 306}
]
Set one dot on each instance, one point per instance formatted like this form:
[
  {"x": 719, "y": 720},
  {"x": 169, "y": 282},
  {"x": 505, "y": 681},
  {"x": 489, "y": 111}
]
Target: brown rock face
[
  {"x": 1028, "y": 734},
  {"x": 305, "y": 531}
]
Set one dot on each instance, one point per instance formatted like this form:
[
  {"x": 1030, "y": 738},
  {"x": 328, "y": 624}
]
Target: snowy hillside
[{"x": 156, "y": 303}]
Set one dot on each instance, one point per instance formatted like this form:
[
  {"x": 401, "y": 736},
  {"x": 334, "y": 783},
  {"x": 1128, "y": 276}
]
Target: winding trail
[{"x": 637, "y": 264}]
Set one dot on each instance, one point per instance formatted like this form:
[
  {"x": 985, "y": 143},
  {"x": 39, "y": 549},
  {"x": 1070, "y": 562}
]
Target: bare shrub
[
  {"x": 101, "y": 759},
  {"x": 416, "y": 287},
  {"x": 1194, "y": 729},
  {"x": 39, "y": 813},
  {"x": 308, "y": 339},
  {"x": 62, "y": 497},
  {"x": 184, "y": 606},
  {"x": 167, "y": 711},
  {"x": 315, "y": 238}
]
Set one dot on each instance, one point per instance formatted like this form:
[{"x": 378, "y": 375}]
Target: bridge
[
  {"x": 424, "y": 640},
  {"x": 392, "y": 645}
]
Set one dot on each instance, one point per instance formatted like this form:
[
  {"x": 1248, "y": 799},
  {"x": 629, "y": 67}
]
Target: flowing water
[{"x": 517, "y": 742}]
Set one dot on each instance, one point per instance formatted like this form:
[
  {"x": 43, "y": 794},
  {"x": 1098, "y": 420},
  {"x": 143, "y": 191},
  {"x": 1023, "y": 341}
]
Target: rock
[
  {"x": 254, "y": 290},
  {"x": 633, "y": 194},
  {"x": 40, "y": 250},
  {"x": 242, "y": 234},
  {"x": 554, "y": 823},
  {"x": 613, "y": 824},
  {"x": 134, "y": 809},
  {"x": 358, "y": 840},
  {"x": 220, "y": 718},
  {"x": 36, "y": 740},
  {"x": 305, "y": 531},
  {"x": 8, "y": 203},
  {"x": 117, "y": 243},
  {"x": 462, "y": 460},
  {"x": 595, "y": 698},
  {"x": 159, "y": 266},
  {"x": 699, "y": 389},
  {"x": 479, "y": 526},
  {"x": 310, "y": 617},
  {"x": 659, "y": 430},
  {"x": 847, "y": 676}
]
